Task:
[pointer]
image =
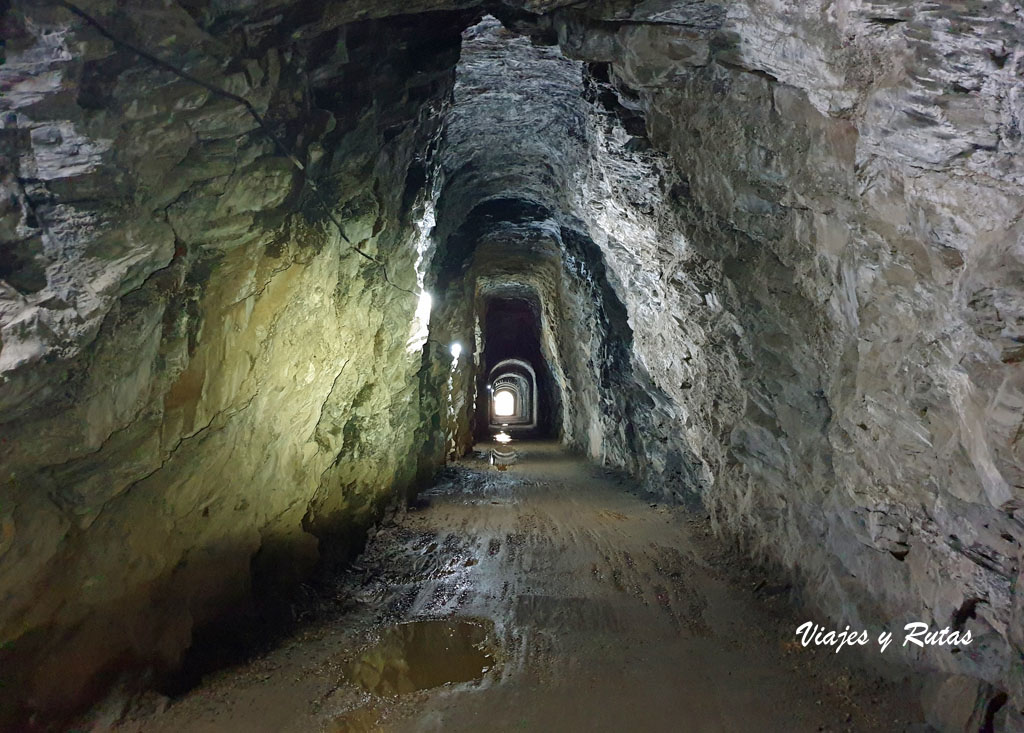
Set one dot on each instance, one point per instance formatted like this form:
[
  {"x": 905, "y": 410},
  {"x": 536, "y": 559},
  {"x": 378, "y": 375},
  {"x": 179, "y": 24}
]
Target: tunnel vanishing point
[{"x": 268, "y": 265}]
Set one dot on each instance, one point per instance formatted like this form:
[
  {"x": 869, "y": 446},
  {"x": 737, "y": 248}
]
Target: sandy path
[{"x": 599, "y": 612}]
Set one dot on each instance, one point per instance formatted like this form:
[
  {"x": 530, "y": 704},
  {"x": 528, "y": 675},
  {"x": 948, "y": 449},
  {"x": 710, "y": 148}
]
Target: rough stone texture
[
  {"x": 200, "y": 379},
  {"x": 522, "y": 213},
  {"x": 806, "y": 309},
  {"x": 850, "y": 180},
  {"x": 822, "y": 286}
]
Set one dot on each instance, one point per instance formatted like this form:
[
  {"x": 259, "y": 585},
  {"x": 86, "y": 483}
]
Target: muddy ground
[{"x": 548, "y": 597}]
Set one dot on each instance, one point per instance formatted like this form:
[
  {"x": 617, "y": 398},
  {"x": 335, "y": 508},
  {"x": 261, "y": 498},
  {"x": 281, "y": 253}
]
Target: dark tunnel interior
[
  {"x": 748, "y": 277},
  {"x": 511, "y": 330}
]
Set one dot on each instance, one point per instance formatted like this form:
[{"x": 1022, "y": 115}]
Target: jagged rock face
[
  {"x": 822, "y": 286},
  {"x": 532, "y": 171},
  {"x": 849, "y": 183},
  {"x": 776, "y": 251},
  {"x": 200, "y": 379}
]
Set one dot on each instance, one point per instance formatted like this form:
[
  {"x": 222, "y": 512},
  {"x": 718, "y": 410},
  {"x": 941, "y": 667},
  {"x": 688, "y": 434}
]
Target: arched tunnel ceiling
[
  {"x": 513, "y": 137},
  {"x": 511, "y": 165},
  {"x": 777, "y": 248}
]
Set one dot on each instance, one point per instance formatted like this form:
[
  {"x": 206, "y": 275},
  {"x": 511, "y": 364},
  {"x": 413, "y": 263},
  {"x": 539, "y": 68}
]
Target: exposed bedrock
[
  {"x": 773, "y": 253},
  {"x": 201, "y": 379},
  {"x": 849, "y": 180}
]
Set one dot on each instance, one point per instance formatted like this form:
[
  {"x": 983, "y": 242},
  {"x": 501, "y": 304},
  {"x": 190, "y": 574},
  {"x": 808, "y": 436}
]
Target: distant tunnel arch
[{"x": 513, "y": 394}]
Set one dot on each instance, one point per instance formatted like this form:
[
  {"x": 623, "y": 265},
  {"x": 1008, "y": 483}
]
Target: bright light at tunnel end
[
  {"x": 456, "y": 349},
  {"x": 504, "y": 403}
]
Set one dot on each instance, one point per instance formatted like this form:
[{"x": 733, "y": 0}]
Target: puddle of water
[{"x": 422, "y": 654}]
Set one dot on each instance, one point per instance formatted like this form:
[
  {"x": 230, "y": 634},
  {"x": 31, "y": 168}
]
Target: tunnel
[
  {"x": 513, "y": 393},
  {"x": 515, "y": 368},
  {"x": 534, "y": 365}
]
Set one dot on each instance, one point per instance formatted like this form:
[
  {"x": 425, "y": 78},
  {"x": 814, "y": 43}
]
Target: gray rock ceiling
[{"x": 774, "y": 249}]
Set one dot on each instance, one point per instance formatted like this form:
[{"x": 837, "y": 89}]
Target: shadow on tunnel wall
[{"x": 639, "y": 427}]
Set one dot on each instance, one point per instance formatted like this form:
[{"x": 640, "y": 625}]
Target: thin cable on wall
[{"x": 238, "y": 99}]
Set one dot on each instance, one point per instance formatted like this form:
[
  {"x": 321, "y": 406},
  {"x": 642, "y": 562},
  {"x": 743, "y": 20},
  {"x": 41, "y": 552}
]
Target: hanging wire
[{"x": 238, "y": 99}]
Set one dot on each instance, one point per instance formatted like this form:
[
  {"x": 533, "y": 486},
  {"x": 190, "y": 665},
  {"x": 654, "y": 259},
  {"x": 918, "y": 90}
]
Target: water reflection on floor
[
  {"x": 552, "y": 596},
  {"x": 419, "y": 655}
]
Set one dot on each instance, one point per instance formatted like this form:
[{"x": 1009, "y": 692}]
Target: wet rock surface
[
  {"x": 776, "y": 249},
  {"x": 201, "y": 378},
  {"x": 602, "y": 611}
]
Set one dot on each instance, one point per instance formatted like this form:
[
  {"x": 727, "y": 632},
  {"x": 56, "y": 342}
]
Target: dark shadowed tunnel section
[{"x": 512, "y": 332}]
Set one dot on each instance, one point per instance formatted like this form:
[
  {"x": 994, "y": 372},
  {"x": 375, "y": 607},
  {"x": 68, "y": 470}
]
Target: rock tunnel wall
[
  {"x": 200, "y": 379},
  {"x": 812, "y": 223},
  {"x": 846, "y": 357},
  {"x": 517, "y": 218},
  {"x": 777, "y": 248}
]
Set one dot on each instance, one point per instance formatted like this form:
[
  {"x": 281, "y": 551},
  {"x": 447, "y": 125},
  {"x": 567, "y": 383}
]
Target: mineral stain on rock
[{"x": 420, "y": 655}]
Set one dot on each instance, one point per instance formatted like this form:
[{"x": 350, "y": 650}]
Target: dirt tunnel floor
[{"x": 550, "y": 598}]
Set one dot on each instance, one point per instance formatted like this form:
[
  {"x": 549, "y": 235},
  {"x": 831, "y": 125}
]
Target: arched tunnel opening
[
  {"x": 514, "y": 365},
  {"x": 511, "y": 365}
]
